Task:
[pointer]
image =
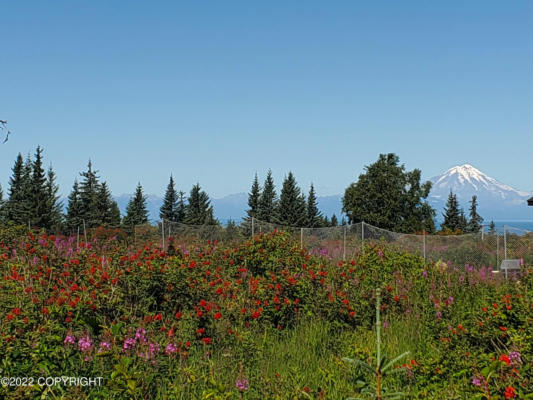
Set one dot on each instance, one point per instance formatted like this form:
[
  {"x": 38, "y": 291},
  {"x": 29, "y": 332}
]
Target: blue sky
[{"x": 215, "y": 91}]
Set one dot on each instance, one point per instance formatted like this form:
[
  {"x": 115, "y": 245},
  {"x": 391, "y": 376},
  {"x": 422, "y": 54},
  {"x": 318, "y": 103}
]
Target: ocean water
[{"x": 514, "y": 226}]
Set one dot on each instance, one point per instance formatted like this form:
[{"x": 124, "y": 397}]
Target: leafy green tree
[
  {"x": 74, "y": 217},
  {"x": 452, "y": 215},
  {"x": 291, "y": 207},
  {"x": 389, "y": 197},
  {"x": 199, "y": 209},
  {"x": 475, "y": 221},
  {"x": 136, "y": 212},
  {"x": 268, "y": 200},
  {"x": 54, "y": 213},
  {"x": 88, "y": 189},
  {"x": 169, "y": 209},
  {"x": 314, "y": 217}
]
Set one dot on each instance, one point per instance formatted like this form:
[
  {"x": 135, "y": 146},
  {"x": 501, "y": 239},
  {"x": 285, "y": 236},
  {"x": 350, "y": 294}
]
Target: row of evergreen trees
[
  {"x": 291, "y": 209},
  {"x": 33, "y": 200},
  {"x": 455, "y": 220}
]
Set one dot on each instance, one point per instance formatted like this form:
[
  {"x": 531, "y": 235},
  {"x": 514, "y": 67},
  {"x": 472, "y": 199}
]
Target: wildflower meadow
[{"x": 255, "y": 319}]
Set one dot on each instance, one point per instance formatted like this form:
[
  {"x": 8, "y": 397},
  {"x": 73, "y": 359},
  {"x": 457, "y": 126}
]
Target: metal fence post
[
  {"x": 505, "y": 242},
  {"x": 84, "y": 232},
  {"x": 498, "y": 251},
  {"x": 301, "y": 238},
  {"x": 363, "y": 236},
  {"x": 253, "y": 231},
  {"x": 163, "y": 232},
  {"x": 344, "y": 245}
]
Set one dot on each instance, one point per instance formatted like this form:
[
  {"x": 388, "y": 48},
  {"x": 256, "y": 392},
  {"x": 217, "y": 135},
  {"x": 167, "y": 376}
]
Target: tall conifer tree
[
  {"x": 39, "y": 203},
  {"x": 199, "y": 210},
  {"x": 314, "y": 217},
  {"x": 169, "y": 208},
  {"x": 136, "y": 212},
  {"x": 89, "y": 188},
  {"x": 268, "y": 200},
  {"x": 253, "y": 199},
  {"x": 15, "y": 208},
  {"x": 74, "y": 217},
  {"x": 54, "y": 214},
  {"x": 475, "y": 221},
  {"x": 291, "y": 208},
  {"x": 452, "y": 215}
]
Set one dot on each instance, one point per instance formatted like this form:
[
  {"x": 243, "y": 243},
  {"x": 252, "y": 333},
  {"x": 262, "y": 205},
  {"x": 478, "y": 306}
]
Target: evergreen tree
[
  {"x": 38, "y": 198},
  {"x": 18, "y": 200},
  {"x": 314, "y": 217},
  {"x": 169, "y": 209},
  {"x": 475, "y": 221},
  {"x": 325, "y": 221},
  {"x": 199, "y": 211},
  {"x": 452, "y": 216},
  {"x": 492, "y": 228},
  {"x": 136, "y": 212},
  {"x": 268, "y": 200},
  {"x": 181, "y": 208},
  {"x": 253, "y": 199},
  {"x": 462, "y": 221},
  {"x": 334, "y": 220},
  {"x": 54, "y": 219},
  {"x": 291, "y": 207},
  {"x": 389, "y": 197},
  {"x": 2, "y": 206},
  {"x": 74, "y": 218},
  {"x": 107, "y": 207},
  {"x": 343, "y": 221},
  {"x": 89, "y": 188},
  {"x": 114, "y": 214}
]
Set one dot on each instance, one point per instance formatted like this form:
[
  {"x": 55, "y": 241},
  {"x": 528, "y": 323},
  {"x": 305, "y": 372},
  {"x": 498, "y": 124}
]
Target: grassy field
[{"x": 259, "y": 319}]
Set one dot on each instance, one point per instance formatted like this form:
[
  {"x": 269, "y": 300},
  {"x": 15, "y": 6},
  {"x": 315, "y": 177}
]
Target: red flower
[
  {"x": 217, "y": 316},
  {"x": 505, "y": 358},
  {"x": 178, "y": 315},
  {"x": 503, "y": 328},
  {"x": 396, "y": 298},
  {"x": 16, "y": 311},
  {"x": 207, "y": 340},
  {"x": 509, "y": 392}
]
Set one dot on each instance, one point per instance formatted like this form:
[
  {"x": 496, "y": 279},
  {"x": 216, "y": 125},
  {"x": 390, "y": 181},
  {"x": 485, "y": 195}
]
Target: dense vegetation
[{"x": 261, "y": 319}]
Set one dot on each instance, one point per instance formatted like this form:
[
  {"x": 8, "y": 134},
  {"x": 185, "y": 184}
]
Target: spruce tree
[
  {"x": 74, "y": 217},
  {"x": 106, "y": 207},
  {"x": 169, "y": 208},
  {"x": 199, "y": 211},
  {"x": 181, "y": 208},
  {"x": 462, "y": 221},
  {"x": 334, "y": 220},
  {"x": 492, "y": 228},
  {"x": 253, "y": 199},
  {"x": 38, "y": 198},
  {"x": 268, "y": 200},
  {"x": 475, "y": 221},
  {"x": 89, "y": 188},
  {"x": 16, "y": 206},
  {"x": 452, "y": 217},
  {"x": 291, "y": 207},
  {"x": 114, "y": 214},
  {"x": 2, "y": 206},
  {"x": 136, "y": 212},
  {"x": 54, "y": 207},
  {"x": 314, "y": 217}
]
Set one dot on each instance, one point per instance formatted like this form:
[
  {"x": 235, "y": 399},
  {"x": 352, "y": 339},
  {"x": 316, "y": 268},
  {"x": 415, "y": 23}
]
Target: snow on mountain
[{"x": 495, "y": 199}]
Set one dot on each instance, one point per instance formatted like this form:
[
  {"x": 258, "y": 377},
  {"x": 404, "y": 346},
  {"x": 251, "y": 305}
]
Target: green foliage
[
  {"x": 389, "y": 197},
  {"x": 314, "y": 217},
  {"x": 199, "y": 210},
  {"x": 475, "y": 221},
  {"x": 268, "y": 200},
  {"x": 169, "y": 208},
  {"x": 253, "y": 199},
  {"x": 136, "y": 212},
  {"x": 291, "y": 210},
  {"x": 74, "y": 217},
  {"x": 454, "y": 218}
]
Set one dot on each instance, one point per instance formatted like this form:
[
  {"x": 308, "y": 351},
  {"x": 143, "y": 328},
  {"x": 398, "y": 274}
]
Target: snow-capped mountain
[{"x": 496, "y": 200}]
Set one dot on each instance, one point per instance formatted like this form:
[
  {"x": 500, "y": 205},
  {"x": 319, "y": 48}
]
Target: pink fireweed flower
[
  {"x": 242, "y": 384},
  {"x": 139, "y": 335},
  {"x": 85, "y": 344},
  {"x": 104, "y": 346},
  {"x": 69, "y": 339},
  {"x": 171, "y": 348},
  {"x": 476, "y": 381},
  {"x": 514, "y": 356},
  {"x": 129, "y": 343}
]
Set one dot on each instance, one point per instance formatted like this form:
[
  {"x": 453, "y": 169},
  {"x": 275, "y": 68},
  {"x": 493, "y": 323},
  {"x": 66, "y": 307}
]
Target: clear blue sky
[{"x": 215, "y": 91}]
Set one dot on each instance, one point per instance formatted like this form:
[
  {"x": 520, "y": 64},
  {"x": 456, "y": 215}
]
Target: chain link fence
[{"x": 342, "y": 242}]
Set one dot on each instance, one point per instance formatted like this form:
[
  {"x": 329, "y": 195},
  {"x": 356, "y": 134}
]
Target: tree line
[{"x": 385, "y": 195}]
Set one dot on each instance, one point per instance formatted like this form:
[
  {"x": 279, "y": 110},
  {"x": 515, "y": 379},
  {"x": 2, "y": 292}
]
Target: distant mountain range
[{"x": 496, "y": 200}]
